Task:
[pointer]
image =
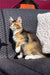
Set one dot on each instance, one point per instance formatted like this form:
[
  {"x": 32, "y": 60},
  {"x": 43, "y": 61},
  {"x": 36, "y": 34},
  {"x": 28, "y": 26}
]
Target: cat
[{"x": 27, "y": 40}]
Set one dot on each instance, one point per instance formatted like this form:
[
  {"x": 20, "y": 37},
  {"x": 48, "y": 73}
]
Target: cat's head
[{"x": 15, "y": 24}]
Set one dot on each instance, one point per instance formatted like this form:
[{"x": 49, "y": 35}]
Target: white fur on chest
[
  {"x": 15, "y": 39},
  {"x": 16, "y": 31}
]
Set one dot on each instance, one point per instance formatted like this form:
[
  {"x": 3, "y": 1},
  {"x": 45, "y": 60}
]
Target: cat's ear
[
  {"x": 11, "y": 19},
  {"x": 19, "y": 19}
]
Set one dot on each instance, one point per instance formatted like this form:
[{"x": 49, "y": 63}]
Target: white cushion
[{"x": 43, "y": 31}]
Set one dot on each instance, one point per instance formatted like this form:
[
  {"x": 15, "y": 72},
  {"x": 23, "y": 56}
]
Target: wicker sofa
[{"x": 8, "y": 64}]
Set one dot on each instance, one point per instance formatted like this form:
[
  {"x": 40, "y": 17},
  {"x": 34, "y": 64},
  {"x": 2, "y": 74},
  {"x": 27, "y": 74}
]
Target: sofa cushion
[
  {"x": 9, "y": 67},
  {"x": 42, "y": 66},
  {"x": 29, "y": 17},
  {"x": 2, "y": 37},
  {"x": 43, "y": 31}
]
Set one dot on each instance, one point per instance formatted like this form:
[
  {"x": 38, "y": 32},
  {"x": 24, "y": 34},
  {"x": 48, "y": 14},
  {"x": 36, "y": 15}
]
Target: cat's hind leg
[{"x": 31, "y": 56}]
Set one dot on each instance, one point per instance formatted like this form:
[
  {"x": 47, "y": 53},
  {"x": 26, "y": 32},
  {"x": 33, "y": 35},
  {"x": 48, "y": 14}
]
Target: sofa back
[
  {"x": 29, "y": 23},
  {"x": 2, "y": 37}
]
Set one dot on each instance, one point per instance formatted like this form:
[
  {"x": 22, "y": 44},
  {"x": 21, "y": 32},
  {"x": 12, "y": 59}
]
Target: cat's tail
[{"x": 40, "y": 54}]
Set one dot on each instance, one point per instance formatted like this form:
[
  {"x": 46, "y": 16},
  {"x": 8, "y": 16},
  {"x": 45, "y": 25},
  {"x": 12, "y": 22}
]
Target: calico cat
[{"x": 27, "y": 40}]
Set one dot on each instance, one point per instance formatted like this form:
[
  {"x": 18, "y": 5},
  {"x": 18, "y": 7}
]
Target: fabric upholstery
[
  {"x": 2, "y": 37},
  {"x": 42, "y": 66},
  {"x": 9, "y": 67},
  {"x": 12, "y": 66}
]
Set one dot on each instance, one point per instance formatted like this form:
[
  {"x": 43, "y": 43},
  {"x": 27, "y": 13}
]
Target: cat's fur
[{"x": 30, "y": 43}]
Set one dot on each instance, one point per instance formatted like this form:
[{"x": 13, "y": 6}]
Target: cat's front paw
[{"x": 17, "y": 50}]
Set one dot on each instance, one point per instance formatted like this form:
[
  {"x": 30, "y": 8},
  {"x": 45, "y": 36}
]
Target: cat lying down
[{"x": 28, "y": 41}]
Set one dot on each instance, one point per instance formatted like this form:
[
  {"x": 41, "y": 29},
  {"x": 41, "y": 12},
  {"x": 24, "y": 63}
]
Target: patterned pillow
[{"x": 43, "y": 31}]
